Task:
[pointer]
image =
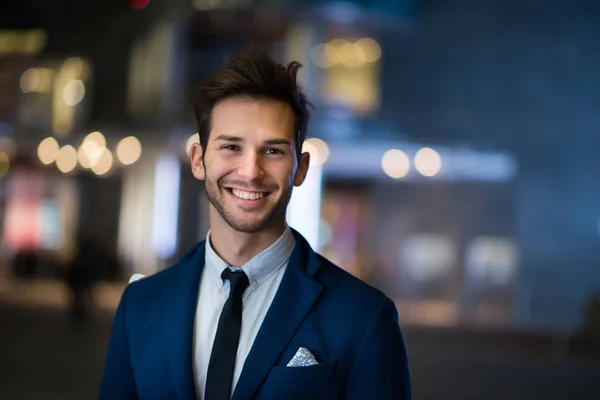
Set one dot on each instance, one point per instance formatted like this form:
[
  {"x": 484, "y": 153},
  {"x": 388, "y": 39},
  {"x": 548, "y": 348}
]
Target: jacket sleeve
[
  {"x": 380, "y": 370},
  {"x": 117, "y": 380}
]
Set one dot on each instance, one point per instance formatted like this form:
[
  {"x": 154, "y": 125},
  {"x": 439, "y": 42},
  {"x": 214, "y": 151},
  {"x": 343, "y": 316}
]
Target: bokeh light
[
  {"x": 66, "y": 160},
  {"x": 129, "y": 150},
  {"x": 73, "y": 92},
  {"x": 4, "y": 163},
  {"x": 104, "y": 163},
  {"x": 318, "y": 149},
  {"x": 395, "y": 163},
  {"x": 428, "y": 162},
  {"x": 30, "y": 80},
  {"x": 47, "y": 150}
]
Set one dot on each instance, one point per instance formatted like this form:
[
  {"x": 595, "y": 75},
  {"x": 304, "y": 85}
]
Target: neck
[{"x": 237, "y": 248}]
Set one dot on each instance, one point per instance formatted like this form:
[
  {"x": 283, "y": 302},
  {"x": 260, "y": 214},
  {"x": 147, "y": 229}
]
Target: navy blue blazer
[{"x": 350, "y": 327}]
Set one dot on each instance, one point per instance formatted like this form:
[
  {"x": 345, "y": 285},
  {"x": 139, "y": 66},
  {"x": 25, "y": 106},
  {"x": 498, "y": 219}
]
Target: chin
[
  {"x": 247, "y": 226},
  {"x": 250, "y": 225}
]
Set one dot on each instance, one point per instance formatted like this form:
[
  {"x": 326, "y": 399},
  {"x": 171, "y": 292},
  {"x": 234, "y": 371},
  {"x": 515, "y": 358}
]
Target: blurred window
[
  {"x": 428, "y": 257},
  {"x": 490, "y": 261}
]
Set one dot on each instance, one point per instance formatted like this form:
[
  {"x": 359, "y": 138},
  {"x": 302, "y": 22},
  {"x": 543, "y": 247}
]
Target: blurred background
[{"x": 456, "y": 150}]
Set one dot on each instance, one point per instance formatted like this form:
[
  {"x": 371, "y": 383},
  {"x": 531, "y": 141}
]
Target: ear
[
  {"x": 196, "y": 161},
  {"x": 303, "y": 164}
]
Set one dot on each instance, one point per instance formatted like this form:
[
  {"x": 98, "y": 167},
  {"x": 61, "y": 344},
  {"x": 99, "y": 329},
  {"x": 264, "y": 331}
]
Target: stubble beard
[{"x": 246, "y": 226}]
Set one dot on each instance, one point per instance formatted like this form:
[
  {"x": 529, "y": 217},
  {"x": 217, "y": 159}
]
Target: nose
[{"x": 251, "y": 167}]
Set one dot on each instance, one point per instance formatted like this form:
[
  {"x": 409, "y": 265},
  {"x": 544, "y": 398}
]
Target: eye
[
  {"x": 231, "y": 147},
  {"x": 273, "y": 151}
]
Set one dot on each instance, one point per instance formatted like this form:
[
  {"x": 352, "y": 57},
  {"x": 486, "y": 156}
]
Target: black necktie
[{"x": 219, "y": 378}]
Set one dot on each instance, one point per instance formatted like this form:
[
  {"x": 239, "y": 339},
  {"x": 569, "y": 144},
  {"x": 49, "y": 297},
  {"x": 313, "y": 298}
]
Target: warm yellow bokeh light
[
  {"x": 370, "y": 49},
  {"x": 104, "y": 164},
  {"x": 428, "y": 162},
  {"x": 47, "y": 150},
  {"x": 332, "y": 50},
  {"x": 82, "y": 157},
  {"x": 66, "y": 160},
  {"x": 73, "y": 92},
  {"x": 30, "y": 80},
  {"x": 88, "y": 154},
  {"x": 91, "y": 149},
  {"x": 395, "y": 163},
  {"x": 96, "y": 137},
  {"x": 320, "y": 58},
  {"x": 129, "y": 150},
  {"x": 4, "y": 163},
  {"x": 318, "y": 149},
  {"x": 346, "y": 53},
  {"x": 359, "y": 53},
  {"x": 336, "y": 43}
]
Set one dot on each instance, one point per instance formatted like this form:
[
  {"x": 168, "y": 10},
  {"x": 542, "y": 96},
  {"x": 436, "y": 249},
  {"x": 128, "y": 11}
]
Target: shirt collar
[{"x": 260, "y": 267}]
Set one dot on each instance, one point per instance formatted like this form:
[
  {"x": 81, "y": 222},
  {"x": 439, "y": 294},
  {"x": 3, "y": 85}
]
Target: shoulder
[{"x": 150, "y": 288}]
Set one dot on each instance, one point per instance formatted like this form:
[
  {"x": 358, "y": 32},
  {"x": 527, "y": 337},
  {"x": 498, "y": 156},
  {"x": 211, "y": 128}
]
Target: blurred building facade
[{"x": 454, "y": 141}]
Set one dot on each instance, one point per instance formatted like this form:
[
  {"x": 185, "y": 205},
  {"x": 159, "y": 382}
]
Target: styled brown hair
[{"x": 253, "y": 74}]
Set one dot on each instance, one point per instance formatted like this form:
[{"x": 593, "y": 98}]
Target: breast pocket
[
  {"x": 300, "y": 375},
  {"x": 316, "y": 382}
]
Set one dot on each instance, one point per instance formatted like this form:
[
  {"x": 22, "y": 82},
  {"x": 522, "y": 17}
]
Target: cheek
[
  {"x": 216, "y": 170},
  {"x": 283, "y": 175}
]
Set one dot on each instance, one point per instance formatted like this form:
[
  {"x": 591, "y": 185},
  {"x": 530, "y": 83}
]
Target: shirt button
[{"x": 254, "y": 283}]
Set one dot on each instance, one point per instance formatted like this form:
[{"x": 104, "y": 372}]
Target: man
[{"x": 252, "y": 312}]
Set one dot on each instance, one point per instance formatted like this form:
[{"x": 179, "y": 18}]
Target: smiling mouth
[{"x": 244, "y": 195}]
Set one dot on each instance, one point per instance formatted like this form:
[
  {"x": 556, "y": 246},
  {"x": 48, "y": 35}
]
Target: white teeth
[{"x": 247, "y": 195}]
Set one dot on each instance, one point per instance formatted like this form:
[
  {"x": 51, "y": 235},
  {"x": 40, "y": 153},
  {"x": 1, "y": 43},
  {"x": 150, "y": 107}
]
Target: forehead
[{"x": 253, "y": 119}]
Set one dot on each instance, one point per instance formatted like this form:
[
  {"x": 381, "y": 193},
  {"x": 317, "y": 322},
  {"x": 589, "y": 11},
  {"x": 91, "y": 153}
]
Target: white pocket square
[
  {"x": 136, "y": 277},
  {"x": 302, "y": 358}
]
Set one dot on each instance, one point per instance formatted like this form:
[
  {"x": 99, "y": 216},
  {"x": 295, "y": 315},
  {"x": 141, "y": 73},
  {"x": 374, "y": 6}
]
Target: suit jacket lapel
[
  {"x": 295, "y": 297},
  {"x": 180, "y": 313}
]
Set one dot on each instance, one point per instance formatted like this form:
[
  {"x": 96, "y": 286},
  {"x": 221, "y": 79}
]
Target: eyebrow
[
  {"x": 238, "y": 139},
  {"x": 228, "y": 138},
  {"x": 278, "y": 141}
]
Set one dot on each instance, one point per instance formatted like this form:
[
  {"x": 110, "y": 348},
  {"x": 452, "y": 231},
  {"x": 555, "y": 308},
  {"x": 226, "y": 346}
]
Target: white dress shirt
[{"x": 265, "y": 272}]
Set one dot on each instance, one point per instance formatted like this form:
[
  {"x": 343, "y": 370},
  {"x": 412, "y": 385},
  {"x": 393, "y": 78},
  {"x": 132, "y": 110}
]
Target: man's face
[{"x": 250, "y": 164}]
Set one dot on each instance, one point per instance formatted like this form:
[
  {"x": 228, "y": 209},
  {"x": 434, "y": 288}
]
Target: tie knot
[{"x": 237, "y": 279}]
